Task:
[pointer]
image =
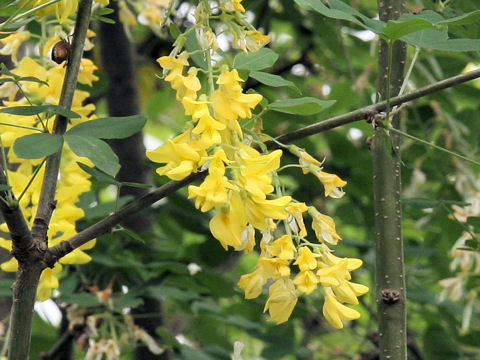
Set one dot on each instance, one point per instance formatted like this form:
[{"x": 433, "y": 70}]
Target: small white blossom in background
[
  {"x": 237, "y": 350},
  {"x": 193, "y": 268}
]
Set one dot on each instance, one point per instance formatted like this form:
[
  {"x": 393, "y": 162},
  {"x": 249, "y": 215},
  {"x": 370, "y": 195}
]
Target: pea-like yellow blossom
[
  {"x": 324, "y": 227},
  {"x": 180, "y": 154},
  {"x": 252, "y": 283},
  {"x": 281, "y": 300},
  {"x": 296, "y": 210},
  {"x": 12, "y": 43},
  {"x": 255, "y": 40},
  {"x": 282, "y": 248},
  {"x": 306, "y": 260},
  {"x": 306, "y": 281},
  {"x": 331, "y": 182},
  {"x": 335, "y": 312}
]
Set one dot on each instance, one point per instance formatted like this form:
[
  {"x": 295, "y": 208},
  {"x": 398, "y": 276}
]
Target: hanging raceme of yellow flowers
[
  {"x": 25, "y": 175},
  {"x": 242, "y": 187}
]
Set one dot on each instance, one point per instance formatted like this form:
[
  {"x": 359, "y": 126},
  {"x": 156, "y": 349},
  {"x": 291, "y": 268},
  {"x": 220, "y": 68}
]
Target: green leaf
[
  {"x": 38, "y": 109},
  {"x": 458, "y": 45},
  {"x": 421, "y": 203},
  {"x": 37, "y": 146},
  {"x": 197, "y": 55},
  {"x": 262, "y": 59},
  {"x": 32, "y": 79},
  {"x": 6, "y": 287},
  {"x": 82, "y": 299},
  {"x": 474, "y": 221},
  {"x": 272, "y": 80},
  {"x": 131, "y": 234},
  {"x": 341, "y": 11},
  {"x": 174, "y": 30},
  {"x": 395, "y": 29},
  {"x": 98, "y": 151},
  {"x": 464, "y": 19},
  {"x": 99, "y": 175},
  {"x": 110, "y": 127},
  {"x": 136, "y": 185},
  {"x": 104, "y": 209},
  {"x": 301, "y": 106},
  {"x": 5, "y": 187},
  {"x": 173, "y": 292}
]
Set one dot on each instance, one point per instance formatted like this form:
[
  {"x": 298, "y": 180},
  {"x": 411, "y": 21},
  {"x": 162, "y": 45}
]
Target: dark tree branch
[
  {"x": 46, "y": 203},
  {"x": 133, "y": 207},
  {"x": 32, "y": 265}
]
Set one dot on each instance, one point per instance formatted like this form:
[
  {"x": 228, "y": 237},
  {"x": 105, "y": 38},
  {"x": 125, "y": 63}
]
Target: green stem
[
  {"x": 28, "y": 12},
  {"x": 31, "y": 180},
  {"x": 409, "y": 71},
  {"x": 389, "y": 80},
  {"x": 21, "y": 126},
  {"x": 26, "y": 97},
  {"x": 421, "y": 141}
]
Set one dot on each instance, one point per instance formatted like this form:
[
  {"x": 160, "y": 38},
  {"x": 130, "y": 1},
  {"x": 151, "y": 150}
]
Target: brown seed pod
[{"x": 61, "y": 51}]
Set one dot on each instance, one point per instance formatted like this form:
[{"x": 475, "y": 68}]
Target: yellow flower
[
  {"x": 296, "y": 210},
  {"x": 48, "y": 282},
  {"x": 10, "y": 265},
  {"x": 304, "y": 158},
  {"x": 274, "y": 267},
  {"x": 324, "y": 227},
  {"x": 255, "y": 40},
  {"x": 252, "y": 284},
  {"x": 174, "y": 65},
  {"x": 85, "y": 74},
  {"x": 234, "y": 5},
  {"x": 334, "y": 275},
  {"x": 230, "y": 103},
  {"x": 259, "y": 210},
  {"x": 180, "y": 155},
  {"x": 207, "y": 126},
  {"x": 331, "y": 182},
  {"x": 187, "y": 86},
  {"x": 228, "y": 226},
  {"x": 281, "y": 300},
  {"x": 305, "y": 260},
  {"x": 335, "y": 312},
  {"x": 65, "y": 8},
  {"x": 213, "y": 190},
  {"x": 77, "y": 256},
  {"x": 306, "y": 281},
  {"x": 248, "y": 239},
  {"x": 282, "y": 248},
  {"x": 125, "y": 14},
  {"x": 255, "y": 169},
  {"x": 329, "y": 259},
  {"x": 348, "y": 292},
  {"x": 12, "y": 43}
]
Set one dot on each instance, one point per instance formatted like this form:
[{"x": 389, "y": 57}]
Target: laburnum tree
[{"x": 230, "y": 97}]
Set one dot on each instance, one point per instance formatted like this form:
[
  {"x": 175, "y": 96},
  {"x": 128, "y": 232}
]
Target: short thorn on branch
[
  {"x": 390, "y": 296},
  {"x": 375, "y": 117}
]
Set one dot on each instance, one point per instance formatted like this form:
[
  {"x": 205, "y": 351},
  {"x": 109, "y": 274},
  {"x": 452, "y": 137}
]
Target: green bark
[{"x": 390, "y": 272}]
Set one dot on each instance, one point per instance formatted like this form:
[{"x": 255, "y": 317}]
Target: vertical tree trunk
[
  {"x": 122, "y": 100},
  {"x": 390, "y": 273}
]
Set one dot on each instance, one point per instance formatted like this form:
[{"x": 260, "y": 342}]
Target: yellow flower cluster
[
  {"x": 25, "y": 175},
  {"x": 242, "y": 187},
  {"x": 62, "y": 8}
]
